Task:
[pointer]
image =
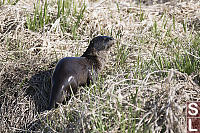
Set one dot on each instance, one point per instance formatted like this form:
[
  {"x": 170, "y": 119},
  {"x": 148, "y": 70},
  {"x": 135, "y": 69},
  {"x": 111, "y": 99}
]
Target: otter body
[{"x": 71, "y": 72}]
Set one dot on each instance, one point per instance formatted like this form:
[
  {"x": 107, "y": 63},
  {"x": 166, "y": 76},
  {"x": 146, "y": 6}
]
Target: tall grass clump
[
  {"x": 69, "y": 14},
  {"x": 186, "y": 59},
  {"x": 40, "y": 17},
  {"x": 10, "y": 2}
]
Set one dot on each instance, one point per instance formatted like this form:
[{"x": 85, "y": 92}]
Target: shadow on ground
[{"x": 39, "y": 88}]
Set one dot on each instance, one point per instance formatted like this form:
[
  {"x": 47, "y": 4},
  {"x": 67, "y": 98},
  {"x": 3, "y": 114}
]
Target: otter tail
[
  {"x": 53, "y": 95},
  {"x": 51, "y": 104},
  {"x": 52, "y": 101}
]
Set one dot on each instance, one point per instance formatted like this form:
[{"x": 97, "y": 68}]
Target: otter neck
[{"x": 96, "y": 62}]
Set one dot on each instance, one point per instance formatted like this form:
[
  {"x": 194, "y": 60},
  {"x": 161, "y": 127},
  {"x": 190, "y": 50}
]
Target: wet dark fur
[{"x": 71, "y": 72}]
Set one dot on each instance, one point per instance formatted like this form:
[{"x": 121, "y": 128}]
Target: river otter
[{"x": 71, "y": 72}]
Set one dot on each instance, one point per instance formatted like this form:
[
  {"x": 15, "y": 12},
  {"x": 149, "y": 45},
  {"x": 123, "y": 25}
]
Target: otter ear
[{"x": 91, "y": 43}]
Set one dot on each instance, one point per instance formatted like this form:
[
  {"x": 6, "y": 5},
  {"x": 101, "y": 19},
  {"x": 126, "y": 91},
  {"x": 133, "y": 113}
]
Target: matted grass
[{"x": 152, "y": 71}]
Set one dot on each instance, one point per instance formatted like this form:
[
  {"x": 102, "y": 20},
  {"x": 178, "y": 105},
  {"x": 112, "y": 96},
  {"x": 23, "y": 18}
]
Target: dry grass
[{"x": 153, "y": 69}]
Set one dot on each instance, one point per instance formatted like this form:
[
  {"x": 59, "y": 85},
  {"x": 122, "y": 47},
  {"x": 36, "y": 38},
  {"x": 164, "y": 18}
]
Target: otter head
[
  {"x": 97, "y": 51},
  {"x": 99, "y": 45}
]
